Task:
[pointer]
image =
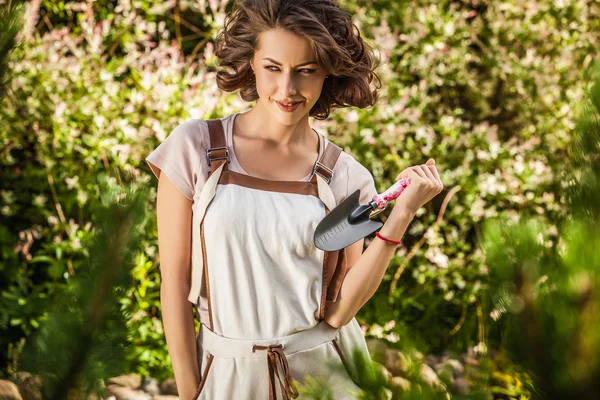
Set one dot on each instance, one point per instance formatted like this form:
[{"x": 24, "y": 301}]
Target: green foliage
[
  {"x": 366, "y": 374},
  {"x": 488, "y": 89},
  {"x": 549, "y": 299},
  {"x": 84, "y": 338},
  {"x": 11, "y": 22},
  {"x": 375, "y": 383},
  {"x": 584, "y": 165},
  {"x": 316, "y": 389},
  {"x": 59, "y": 146},
  {"x": 549, "y": 295}
]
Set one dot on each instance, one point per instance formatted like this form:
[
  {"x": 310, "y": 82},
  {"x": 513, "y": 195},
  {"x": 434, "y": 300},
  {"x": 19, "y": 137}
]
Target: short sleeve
[
  {"x": 179, "y": 157},
  {"x": 361, "y": 178},
  {"x": 350, "y": 175}
]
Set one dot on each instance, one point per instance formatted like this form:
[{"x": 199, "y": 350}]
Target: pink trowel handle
[{"x": 392, "y": 193}]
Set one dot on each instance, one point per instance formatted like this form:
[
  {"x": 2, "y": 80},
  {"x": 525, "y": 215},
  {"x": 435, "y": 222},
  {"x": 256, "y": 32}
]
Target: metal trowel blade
[{"x": 337, "y": 230}]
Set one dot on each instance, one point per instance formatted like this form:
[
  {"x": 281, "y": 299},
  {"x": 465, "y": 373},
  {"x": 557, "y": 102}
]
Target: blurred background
[{"x": 495, "y": 292}]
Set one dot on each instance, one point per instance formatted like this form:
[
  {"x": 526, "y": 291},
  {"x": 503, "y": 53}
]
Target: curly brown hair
[{"x": 334, "y": 38}]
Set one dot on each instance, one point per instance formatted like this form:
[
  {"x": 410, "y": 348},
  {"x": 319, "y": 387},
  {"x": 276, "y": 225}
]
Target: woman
[{"x": 249, "y": 190}]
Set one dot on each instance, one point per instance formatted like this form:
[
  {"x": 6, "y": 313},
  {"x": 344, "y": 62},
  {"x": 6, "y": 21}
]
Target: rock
[
  {"x": 444, "y": 371},
  {"x": 471, "y": 352},
  {"x": 125, "y": 393},
  {"x": 400, "y": 383},
  {"x": 382, "y": 369},
  {"x": 31, "y": 388},
  {"x": 169, "y": 386},
  {"x": 397, "y": 362},
  {"x": 150, "y": 386},
  {"x": 471, "y": 361},
  {"x": 460, "y": 386},
  {"x": 19, "y": 377},
  {"x": 445, "y": 356},
  {"x": 430, "y": 378},
  {"x": 79, "y": 394},
  {"x": 9, "y": 391},
  {"x": 457, "y": 368},
  {"x": 93, "y": 396},
  {"x": 377, "y": 349},
  {"x": 417, "y": 355},
  {"x": 131, "y": 381},
  {"x": 388, "y": 393},
  {"x": 431, "y": 359}
]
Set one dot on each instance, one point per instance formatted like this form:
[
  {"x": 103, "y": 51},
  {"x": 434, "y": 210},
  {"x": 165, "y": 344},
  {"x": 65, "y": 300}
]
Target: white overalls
[{"x": 261, "y": 287}]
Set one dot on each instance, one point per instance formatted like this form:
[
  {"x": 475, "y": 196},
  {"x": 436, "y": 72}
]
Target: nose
[{"x": 288, "y": 85}]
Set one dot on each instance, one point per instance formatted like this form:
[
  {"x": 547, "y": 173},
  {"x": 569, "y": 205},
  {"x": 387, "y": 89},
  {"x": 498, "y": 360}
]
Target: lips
[
  {"x": 288, "y": 103},
  {"x": 287, "y": 108}
]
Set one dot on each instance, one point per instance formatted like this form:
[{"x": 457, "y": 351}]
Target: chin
[{"x": 287, "y": 118}]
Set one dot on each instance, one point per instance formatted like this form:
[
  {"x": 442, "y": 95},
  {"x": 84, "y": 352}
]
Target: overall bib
[{"x": 261, "y": 287}]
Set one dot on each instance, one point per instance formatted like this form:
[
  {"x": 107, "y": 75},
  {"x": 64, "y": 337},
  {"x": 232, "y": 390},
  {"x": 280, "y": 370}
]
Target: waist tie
[
  {"x": 221, "y": 346},
  {"x": 275, "y": 359}
]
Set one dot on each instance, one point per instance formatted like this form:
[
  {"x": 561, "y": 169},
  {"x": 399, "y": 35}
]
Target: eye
[{"x": 302, "y": 70}]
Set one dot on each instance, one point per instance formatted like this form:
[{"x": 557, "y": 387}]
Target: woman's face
[{"x": 286, "y": 72}]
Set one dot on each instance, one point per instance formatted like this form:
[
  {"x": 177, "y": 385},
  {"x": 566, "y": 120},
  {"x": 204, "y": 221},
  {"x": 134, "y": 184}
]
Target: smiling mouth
[{"x": 287, "y": 107}]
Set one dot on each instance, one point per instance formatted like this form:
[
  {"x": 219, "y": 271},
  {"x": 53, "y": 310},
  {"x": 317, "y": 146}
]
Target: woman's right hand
[{"x": 425, "y": 184}]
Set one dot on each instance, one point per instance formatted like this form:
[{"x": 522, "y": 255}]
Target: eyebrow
[{"x": 299, "y": 65}]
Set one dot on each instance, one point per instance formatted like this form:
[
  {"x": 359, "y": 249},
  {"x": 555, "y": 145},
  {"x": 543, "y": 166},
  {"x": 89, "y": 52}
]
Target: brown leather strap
[
  {"x": 276, "y": 360},
  {"x": 335, "y": 268},
  {"x": 217, "y": 153},
  {"x": 334, "y": 284},
  {"x": 324, "y": 166},
  {"x": 204, "y": 375},
  {"x": 334, "y": 262}
]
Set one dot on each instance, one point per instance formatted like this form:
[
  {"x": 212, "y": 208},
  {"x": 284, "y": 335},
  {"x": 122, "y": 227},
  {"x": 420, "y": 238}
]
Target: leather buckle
[
  {"x": 318, "y": 164},
  {"x": 210, "y": 159}
]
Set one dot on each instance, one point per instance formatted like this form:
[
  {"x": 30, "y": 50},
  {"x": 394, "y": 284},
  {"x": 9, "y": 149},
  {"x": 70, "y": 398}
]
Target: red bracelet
[{"x": 387, "y": 240}]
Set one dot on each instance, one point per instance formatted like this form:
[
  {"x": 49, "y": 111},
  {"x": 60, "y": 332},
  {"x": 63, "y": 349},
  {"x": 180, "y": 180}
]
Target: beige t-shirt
[{"x": 182, "y": 157}]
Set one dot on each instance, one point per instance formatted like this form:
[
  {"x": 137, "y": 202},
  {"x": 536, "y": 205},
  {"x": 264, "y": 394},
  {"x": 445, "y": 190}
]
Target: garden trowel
[{"x": 350, "y": 221}]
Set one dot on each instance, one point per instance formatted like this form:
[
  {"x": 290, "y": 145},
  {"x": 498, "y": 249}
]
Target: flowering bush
[
  {"x": 485, "y": 88},
  {"x": 488, "y": 90}
]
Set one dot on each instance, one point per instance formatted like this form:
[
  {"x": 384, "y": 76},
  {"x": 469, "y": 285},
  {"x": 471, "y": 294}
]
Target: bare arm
[
  {"x": 174, "y": 216},
  {"x": 367, "y": 270}
]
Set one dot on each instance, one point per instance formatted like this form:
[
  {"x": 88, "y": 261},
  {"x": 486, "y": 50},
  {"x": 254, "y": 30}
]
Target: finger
[
  {"x": 412, "y": 174},
  {"x": 406, "y": 173},
  {"x": 433, "y": 182},
  {"x": 425, "y": 169},
  {"x": 435, "y": 172},
  {"x": 403, "y": 173},
  {"x": 437, "y": 177},
  {"x": 417, "y": 170}
]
